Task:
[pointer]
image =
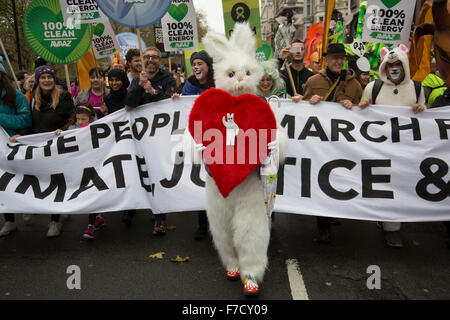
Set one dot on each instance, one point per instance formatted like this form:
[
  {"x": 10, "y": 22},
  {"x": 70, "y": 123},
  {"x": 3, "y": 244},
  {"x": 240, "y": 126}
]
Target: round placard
[
  {"x": 135, "y": 14},
  {"x": 48, "y": 37}
]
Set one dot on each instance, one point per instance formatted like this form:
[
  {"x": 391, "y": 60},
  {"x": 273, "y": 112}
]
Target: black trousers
[
  {"x": 323, "y": 223},
  {"x": 11, "y": 218}
]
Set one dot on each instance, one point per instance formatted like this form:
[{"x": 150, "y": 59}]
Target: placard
[
  {"x": 179, "y": 26},
  {"x": 48, "y": 37}
]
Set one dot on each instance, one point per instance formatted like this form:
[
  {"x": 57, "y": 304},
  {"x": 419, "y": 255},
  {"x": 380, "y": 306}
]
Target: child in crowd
[{"x": 85, "y": 114}]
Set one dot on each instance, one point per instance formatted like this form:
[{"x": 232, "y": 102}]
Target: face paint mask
[
  {"x": 197, "y": 72},
  {"x": 395, "y": 73}
]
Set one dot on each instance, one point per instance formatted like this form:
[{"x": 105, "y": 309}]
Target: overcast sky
[{"x": 214, "y": 13}]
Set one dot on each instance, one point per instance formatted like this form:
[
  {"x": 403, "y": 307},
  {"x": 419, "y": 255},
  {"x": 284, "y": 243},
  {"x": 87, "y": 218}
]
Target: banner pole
[
  {"x": 138, "y": 32},
  {"x": 66, "y": 69},
  {"x": 288, "y": 68},
  {"x": 9, "y": 63}
]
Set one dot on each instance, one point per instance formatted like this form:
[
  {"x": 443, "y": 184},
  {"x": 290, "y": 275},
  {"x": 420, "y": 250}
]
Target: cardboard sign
[
  {"x": 242, "y": 11},
  {"x": 50, "y": 38},
  {"x": 388, "y": 21},
  {"x": 179, "y": 27},
  {"x": 104, "y": 42},
  {"x": 80, "y": 11}
]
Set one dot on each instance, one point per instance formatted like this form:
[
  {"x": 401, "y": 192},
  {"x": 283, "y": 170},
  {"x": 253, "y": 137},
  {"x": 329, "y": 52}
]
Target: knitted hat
[
  {"x": 42, "y": 70},
  {"x": 202, "y": 55},
  {"x": 2, "y": 68}
]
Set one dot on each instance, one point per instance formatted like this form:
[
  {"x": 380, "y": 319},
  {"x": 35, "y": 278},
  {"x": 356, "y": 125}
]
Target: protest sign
[
  {"x": 45, "y": 32},
  {"x": 242, "y": 11},
  {"x": 179, "y": 27},
  {"x": 104, "y": 42},
  {"x": 388, "y": 21},
  {"x": 127, "y": 41},
  {"x": 381, "y": 163},
  {"x": 135, "y": 13},
  {"x": 80, "y": 11}
]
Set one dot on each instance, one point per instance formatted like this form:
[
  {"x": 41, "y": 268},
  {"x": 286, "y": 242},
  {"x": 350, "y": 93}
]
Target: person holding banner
[
  {"x": 394, "y": 88},
  {"x": 196, "y": 84},
  {"x": 94, "y": 95},
  {"x": 203, "y": 77},
  {"x": 153, "y": 84},
  {"x": 334, "y": 84},
  {"x": 15, "y": 114},
  {"x": 52, "y": 109},
  {"x": 134, "y": 63}
]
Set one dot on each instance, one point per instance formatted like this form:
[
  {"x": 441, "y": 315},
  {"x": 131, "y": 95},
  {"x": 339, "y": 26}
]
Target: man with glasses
[
  {"x": 300, "y": 74},
  {"x": 153, "y": 84}
]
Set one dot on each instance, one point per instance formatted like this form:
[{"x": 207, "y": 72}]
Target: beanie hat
[
  {"x": 202, "y": 55},
  {"x": 2, "y": 68},
  {"x": 42, "y": 70}
]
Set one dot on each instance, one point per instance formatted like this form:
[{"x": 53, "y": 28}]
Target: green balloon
[{"x": 43, "y": 26}]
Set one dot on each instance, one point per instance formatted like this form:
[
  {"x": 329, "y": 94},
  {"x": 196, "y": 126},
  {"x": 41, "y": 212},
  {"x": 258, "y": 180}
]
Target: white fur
[
  {"x": 406, "y": 95},
  {"x": 239, "y": 223}
]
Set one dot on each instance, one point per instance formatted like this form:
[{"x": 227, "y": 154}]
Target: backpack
[{"x": 379, "y": 83}]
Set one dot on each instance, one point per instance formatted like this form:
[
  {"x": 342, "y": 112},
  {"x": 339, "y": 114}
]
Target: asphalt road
[{"x": 116, "y": 265}]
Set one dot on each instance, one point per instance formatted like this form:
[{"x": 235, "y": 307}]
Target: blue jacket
[
  {"x": 13, "y": 119},
  {"x": 190, "y": 90}
]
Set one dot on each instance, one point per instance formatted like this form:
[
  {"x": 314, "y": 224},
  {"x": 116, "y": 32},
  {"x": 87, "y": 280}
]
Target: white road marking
[{"x": 298, "y": 289}]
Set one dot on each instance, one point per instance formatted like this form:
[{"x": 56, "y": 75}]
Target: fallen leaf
[
  {"x": 416, "y": 243},
  {"x": 170, "y": 228},
  {"x": 158, "y": 255},
  {"x": 179, "y": 259}
]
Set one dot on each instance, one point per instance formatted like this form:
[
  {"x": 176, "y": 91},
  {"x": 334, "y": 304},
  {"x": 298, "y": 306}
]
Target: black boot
[{"x": 127, "y": 217}]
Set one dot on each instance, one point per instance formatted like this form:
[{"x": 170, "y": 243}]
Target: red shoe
[
  {"x": 233, "y": 274},
  {"x": 251, "y": 288},
  {"x": 159, "y": 230}
]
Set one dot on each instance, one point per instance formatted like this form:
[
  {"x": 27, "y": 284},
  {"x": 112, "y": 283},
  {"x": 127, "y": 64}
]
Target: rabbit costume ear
[
  {"x": 384, "y": 51},
  {"x": 243, "y": 38},
  {"x": 216, "y": 45}
]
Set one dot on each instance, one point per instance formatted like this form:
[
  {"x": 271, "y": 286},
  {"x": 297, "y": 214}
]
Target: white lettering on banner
[{"x": 380, "y": 163}]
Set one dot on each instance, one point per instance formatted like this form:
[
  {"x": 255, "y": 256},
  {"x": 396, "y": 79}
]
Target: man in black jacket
[
  {"x": 299, "y": 73},
  {"x": 153, "y": 84}
]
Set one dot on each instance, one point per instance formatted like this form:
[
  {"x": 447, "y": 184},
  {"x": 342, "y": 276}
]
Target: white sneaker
[
  {"x": 54, "y": 229},
  {"x": 8, "y": 228},
  {"x": 27, "y": 218}
]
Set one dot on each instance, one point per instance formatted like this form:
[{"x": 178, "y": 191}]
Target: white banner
[
  {"x": 80, "y": 11},
  {"x": 380, "y": 163},
  {"x": 388, "y": 21},
  {"x": 179, "y": 27}
]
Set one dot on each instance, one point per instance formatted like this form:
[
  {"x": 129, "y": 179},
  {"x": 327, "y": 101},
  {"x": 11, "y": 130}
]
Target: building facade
[{"x": 306, "y": 13}]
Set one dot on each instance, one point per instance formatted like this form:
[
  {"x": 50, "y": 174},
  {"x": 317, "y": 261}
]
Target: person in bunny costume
[
  {"x": 396, "y": 88},
  {"x": 239, "y": 222}
]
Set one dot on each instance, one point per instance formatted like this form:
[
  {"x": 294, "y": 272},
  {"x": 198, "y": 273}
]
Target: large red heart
[{"x": 228, "y": 165}]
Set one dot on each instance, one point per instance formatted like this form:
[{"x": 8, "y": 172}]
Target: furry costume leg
[
  {"x": 220, "y": 224},
  {"x": 251, "y": 233}
]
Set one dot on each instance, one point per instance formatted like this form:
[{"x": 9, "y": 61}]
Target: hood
[{"x": 391, "y": 56}]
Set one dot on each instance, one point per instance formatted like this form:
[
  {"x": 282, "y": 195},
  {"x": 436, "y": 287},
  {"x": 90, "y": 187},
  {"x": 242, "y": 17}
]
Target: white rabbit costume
[{"x": 239, "y": 223}]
